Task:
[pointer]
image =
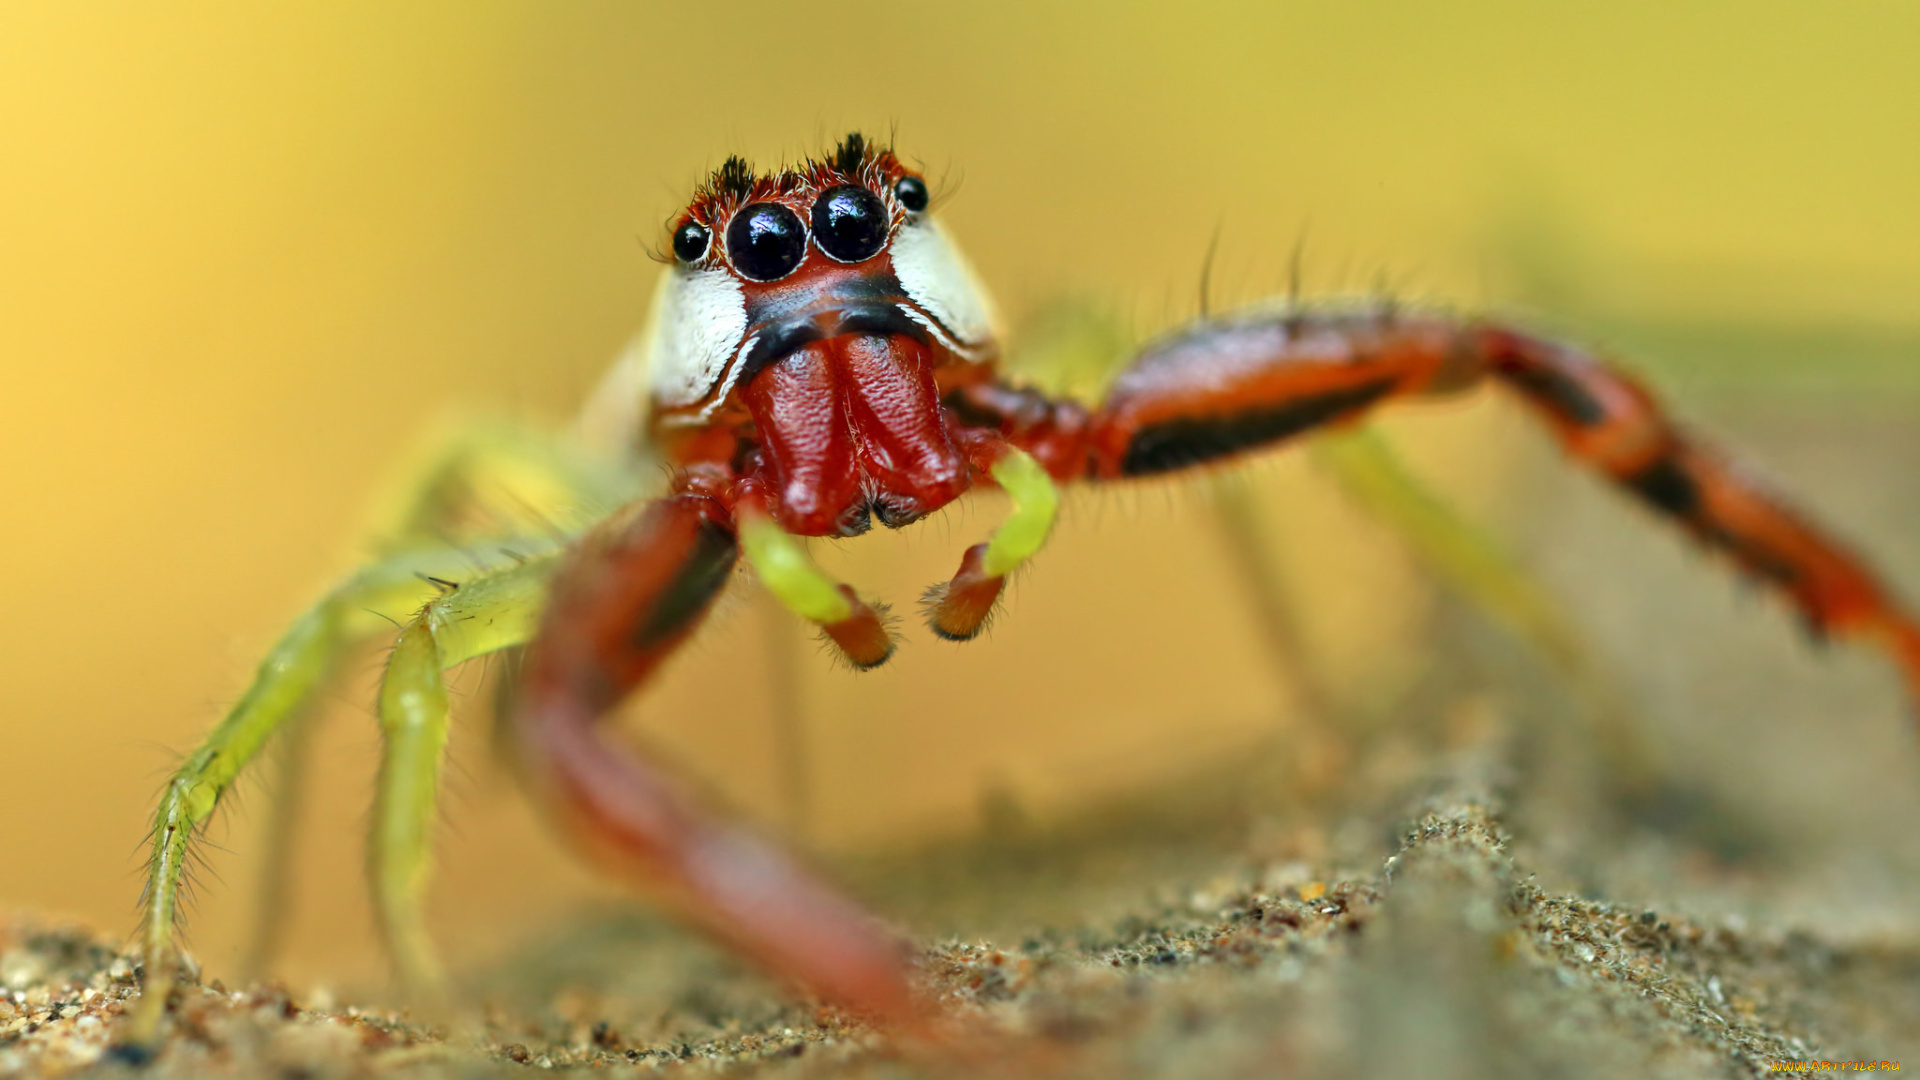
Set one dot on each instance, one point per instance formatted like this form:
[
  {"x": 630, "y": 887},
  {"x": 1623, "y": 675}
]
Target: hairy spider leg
[
  {"x": 858, "y": 630},
  {"x": 481, "y": 479},
  {"x": 1611, "y": 422},
  {"x": 625, "y": 599},
  {"x": 298, "y": 664},
  {"x": 481, "y": 615},
  {"x": 959, "y": 609},
  {"x": 1231, "y": 386},
  {"x": 1473, "y": 563},
  {"x": 482, "y": 475}
]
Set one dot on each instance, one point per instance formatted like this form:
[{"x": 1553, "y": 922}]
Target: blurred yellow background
[{"x": 248, "y": 252}]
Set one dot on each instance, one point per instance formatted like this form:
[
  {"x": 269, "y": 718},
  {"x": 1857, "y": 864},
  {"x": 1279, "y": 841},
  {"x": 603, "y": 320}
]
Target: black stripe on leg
[
  {"x": 1560, "y": 392},
  {"x": 703, "y": 573},
  {"x": 1667, "y": 486},
  {"x": 1177, "y": 444}
]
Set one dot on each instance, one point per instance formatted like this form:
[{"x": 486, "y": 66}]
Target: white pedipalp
[{"x": 939, "y": 281}]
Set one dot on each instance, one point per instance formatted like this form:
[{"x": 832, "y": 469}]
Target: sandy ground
[{"x": 1407, "y": 936}]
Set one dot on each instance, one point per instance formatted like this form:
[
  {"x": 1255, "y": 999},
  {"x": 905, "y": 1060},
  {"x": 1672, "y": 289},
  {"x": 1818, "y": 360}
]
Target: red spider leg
[
  {"x": 1607, "y": 419},
  {"x": 1230, "y": 387},
  {"x": 629, "y": 596}
]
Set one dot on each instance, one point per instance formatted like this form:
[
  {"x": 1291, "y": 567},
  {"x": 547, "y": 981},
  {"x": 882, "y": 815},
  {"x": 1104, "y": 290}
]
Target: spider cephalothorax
[{"x": 821, "y": 355}]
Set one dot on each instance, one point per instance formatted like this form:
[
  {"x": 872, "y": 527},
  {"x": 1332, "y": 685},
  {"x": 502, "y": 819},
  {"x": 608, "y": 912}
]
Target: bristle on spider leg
[
  {"x": 1206, "y": 273},
  {"x": 960, "y": 609}
]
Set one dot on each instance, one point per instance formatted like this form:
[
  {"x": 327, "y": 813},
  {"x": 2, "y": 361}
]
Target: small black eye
[
  {"x": 690, "y": 241},
  {"x": 912, "y": 193},
  {"x": 766, "y": 241},
  {"x": 850, "y": 223}
]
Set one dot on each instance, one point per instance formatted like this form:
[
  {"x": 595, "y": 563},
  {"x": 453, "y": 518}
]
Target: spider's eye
[
  {"x": 766, "y": 241},
  {"x": 690, "y": 241},
  {"x": 850, "y": 223},
  {"x": 912, "y": 193}
]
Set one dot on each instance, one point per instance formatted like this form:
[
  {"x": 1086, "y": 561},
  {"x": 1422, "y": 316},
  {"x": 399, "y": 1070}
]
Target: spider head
[{"x": 765, "y": 264}]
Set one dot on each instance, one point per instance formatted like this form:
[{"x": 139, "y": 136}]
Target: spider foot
[
  {"x": 961, "y": 608},
  {"x": 958, "y": 610},
  {"x": 863, "y": 637},
  {"x": 857, "y": 629}
]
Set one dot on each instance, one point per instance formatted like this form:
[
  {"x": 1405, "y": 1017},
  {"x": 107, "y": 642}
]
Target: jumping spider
[{"x": 821, "y": 356}]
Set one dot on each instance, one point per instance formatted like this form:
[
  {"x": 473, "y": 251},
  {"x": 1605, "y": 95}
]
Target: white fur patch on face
[
  {"x": 937, "y": 278},
  {"x": 698, "y": 319}
]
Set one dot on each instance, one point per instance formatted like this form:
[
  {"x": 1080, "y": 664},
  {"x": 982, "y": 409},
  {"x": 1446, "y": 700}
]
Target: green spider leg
[
  {"x": 488, "y": 613},
  {"x": 1250, "y": 543},
  {"x": 477, "y": 479},
  {"x": 486, "y": 479},
  {"x": 296, "y": 666},
  {"x": 1479, "y": 568},
  {"x": 495, "y": 609},
  {"x": 481, "y": 478}
]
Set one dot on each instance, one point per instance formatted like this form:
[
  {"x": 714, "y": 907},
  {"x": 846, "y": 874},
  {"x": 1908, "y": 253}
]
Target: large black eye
[
  {"x": 912, "y": 193},
  {"x": 766, "y": 241},
  {"x": 850, "y": 223},
  {"x": 690, "y": 241}
]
